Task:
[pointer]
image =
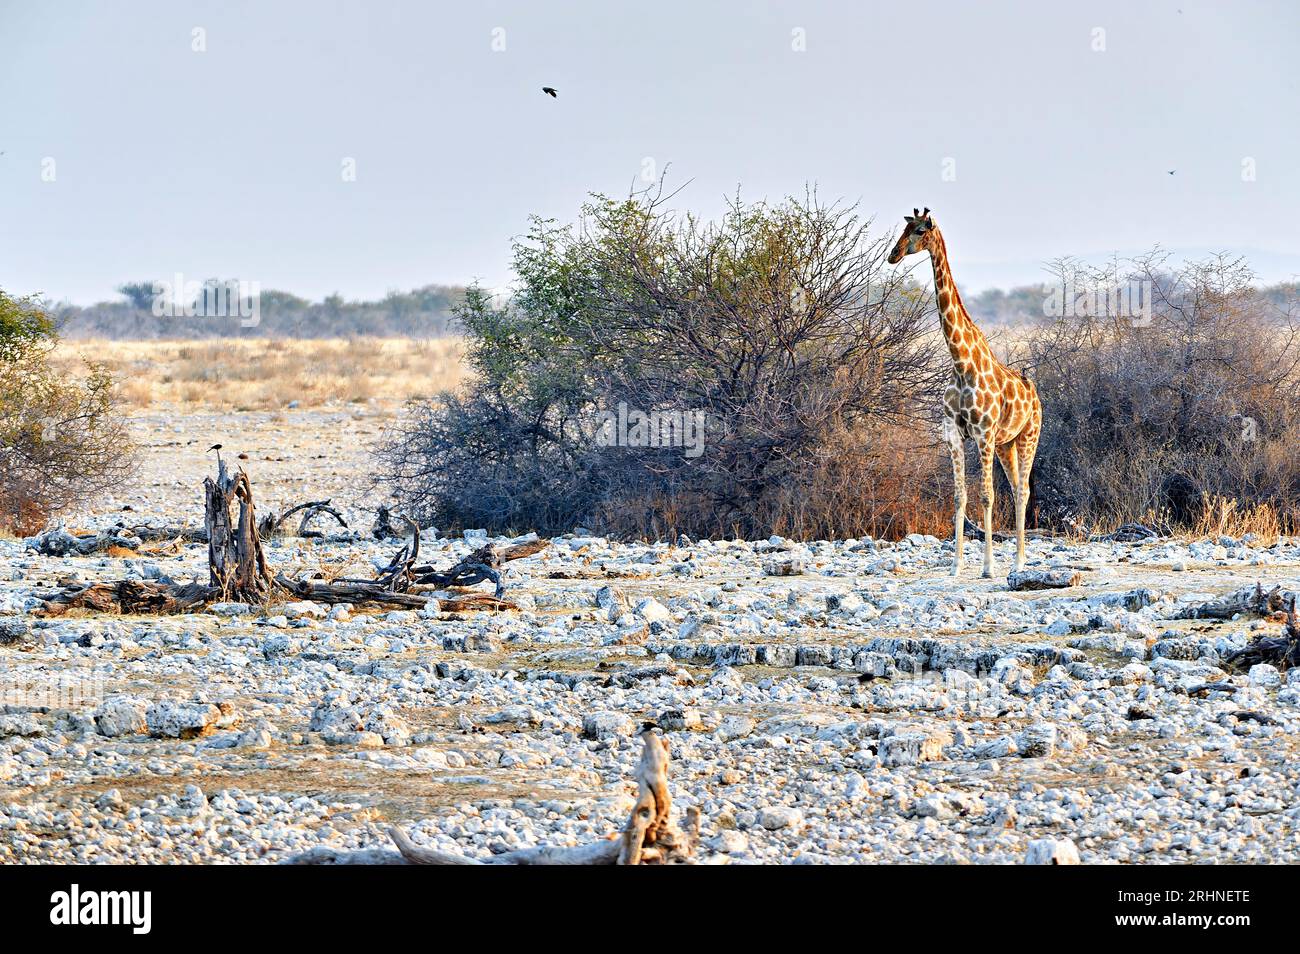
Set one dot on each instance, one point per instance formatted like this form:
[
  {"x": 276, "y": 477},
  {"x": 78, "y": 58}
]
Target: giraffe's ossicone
[{"x": 987, "y": 402}]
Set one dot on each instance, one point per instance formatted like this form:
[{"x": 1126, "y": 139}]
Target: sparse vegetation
[
  {"x": 778, "y": 326},
  {"x": 270, "y": 373},
  {"x": 61, "y": 442},
  {"x": 1188, "y": 420}
]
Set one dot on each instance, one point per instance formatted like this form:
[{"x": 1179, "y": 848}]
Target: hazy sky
[{"x": 229, "y": 162}]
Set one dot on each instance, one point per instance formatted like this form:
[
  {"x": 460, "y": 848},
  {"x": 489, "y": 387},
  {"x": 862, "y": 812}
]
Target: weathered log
[
  {"x": 170, "y": 534},
  {"x": 402, "y": 575},
  {"x": 1278, "y": 649},
  {"x": 649, "y": 837},
  {"x": 1251, "y": 601},
  {"x": 130, "y": 596},
  {"x": 1043, "y": 579},
  {"x": 603, "y": 852},
  {"x": 350, "y": 592},
  {"x": 61, "y": 543},
  {"x": 1250, "y": 715}
]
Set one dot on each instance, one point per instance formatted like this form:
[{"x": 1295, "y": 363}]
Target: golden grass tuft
[{"x": 1223, "y": 516}]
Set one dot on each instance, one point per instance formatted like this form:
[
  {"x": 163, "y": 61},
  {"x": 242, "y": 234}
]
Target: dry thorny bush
[
  {"x": 779, "y": 325},
  {"x": 1170, "y": 415},
  {"x": 60, "y": 440},
  {"x": 816, "y": 370}
]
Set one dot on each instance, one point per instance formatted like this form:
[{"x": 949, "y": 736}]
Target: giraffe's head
[{"x": 916, "y": 236}]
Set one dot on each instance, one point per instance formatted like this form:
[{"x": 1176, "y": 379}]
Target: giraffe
[{"x": 986, "y": 402}]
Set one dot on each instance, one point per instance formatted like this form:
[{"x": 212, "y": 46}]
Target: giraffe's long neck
[{"x": 965, "y": 340}]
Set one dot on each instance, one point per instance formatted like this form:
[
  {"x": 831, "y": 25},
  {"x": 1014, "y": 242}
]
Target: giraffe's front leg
[
  {"x": 952, "y": 435},
  {"x": 987, "y": 451}
]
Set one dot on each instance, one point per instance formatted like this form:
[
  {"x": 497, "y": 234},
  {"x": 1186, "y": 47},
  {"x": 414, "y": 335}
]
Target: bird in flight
[
  {"x": 550, "y": 91},
  {"x": 1172, "y": 171}
]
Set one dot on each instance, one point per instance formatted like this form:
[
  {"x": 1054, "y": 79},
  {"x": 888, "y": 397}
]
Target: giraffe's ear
[{"x": 908, "y": 219}]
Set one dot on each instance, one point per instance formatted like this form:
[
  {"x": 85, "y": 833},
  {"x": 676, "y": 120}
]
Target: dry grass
[
  {"x": 1223, "y": 516},
  {"x": 268, "y": 373}
]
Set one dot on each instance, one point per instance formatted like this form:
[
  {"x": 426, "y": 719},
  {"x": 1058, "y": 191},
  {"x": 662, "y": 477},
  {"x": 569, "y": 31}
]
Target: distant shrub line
[{"x": 423, "y": 313}]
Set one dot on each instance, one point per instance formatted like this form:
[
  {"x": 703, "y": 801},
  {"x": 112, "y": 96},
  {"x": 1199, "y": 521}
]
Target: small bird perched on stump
[{"x": 550, "y": 91}]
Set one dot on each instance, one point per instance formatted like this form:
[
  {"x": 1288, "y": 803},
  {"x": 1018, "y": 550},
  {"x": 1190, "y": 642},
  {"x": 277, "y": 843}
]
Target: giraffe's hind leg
[
  {"x": 957, "y": 449},
  {"x": 1007, "y": 456},
  {"x": 1026, "y": 448}
]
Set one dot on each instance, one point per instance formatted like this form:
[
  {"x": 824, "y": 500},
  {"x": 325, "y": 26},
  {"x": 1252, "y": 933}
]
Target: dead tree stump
[{"x": 237, "y": 567}]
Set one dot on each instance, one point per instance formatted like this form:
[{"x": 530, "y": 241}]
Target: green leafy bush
[{"x": 752, "y": 346}]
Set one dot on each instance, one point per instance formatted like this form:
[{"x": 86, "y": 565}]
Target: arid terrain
[
  {"x": 835, "y": 701},
  {"x": 244, "y": 374}
]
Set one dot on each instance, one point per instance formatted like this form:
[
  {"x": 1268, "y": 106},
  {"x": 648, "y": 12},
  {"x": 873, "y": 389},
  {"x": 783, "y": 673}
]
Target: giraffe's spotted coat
[{"x": 986, "y": 402}]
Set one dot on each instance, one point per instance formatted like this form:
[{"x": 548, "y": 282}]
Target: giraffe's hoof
[{"x": 987, "y": 574}]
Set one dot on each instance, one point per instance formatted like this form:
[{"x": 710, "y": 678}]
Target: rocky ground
[{"x": 839, "y": 701}]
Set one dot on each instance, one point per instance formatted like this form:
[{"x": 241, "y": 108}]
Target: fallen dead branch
[
  {"x": 402, "y": 575},
  {"x": 364, "y": 592},
  {"x": 272, "y": 524},
  {"x": 483, "y": 564},
  {"x": 61, "y": 543},
  {"x": 1278, "y": 649},
  {"x": 1251, "y": 601},
  {"x": 650, "y": 836},
  {"x": 1250, "y": 715},
  {"x": 129, "y": 596},
  {"x": 238, "y": 569},
  {"x": 170, "y": 534}
]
